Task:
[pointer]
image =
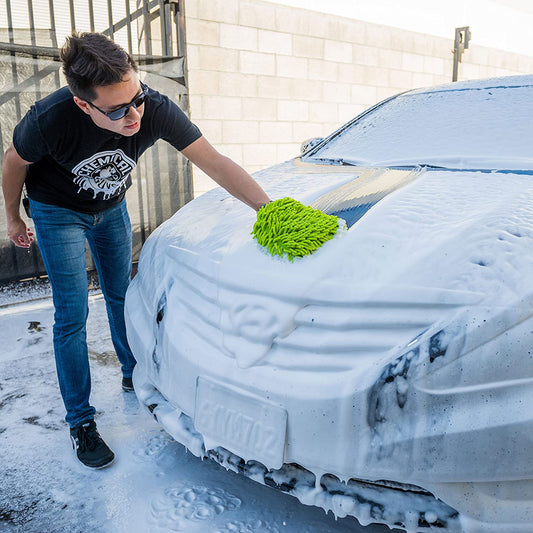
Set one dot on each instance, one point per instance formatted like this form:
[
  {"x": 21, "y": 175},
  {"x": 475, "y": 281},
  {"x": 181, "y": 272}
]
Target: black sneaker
[
  {"x": 90, "y": 448},
  {"x": 127, "y": 384}
]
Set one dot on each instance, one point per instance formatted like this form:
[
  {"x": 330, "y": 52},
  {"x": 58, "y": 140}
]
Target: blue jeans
[{"x": 61, "y": 235}]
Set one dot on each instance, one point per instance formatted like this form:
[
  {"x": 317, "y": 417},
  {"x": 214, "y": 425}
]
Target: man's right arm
[{"x": 14, "y": 170}]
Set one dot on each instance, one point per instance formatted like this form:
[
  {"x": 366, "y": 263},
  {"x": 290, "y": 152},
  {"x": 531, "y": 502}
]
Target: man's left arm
[{"x": 226, "y": 173}]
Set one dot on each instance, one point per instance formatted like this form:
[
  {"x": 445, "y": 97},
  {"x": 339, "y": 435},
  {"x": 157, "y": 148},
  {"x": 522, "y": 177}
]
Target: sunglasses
[{"x": 121, "y": 112}]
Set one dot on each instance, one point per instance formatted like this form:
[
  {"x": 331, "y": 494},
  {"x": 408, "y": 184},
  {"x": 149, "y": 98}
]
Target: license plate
[{"x": 244, "y": 424}]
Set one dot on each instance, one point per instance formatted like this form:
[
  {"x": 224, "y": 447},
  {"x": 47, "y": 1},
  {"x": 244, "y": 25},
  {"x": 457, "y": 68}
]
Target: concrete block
[
  {"x": 192, "y": 10},
  {"x": 219, "y": 10},
  {"x": 435, "y": 65},
  {"x": 274, "y": 42},
  {"x": 304, "y": 46},
  {"x": 389, "y": 58},
  {"x": 375, "y": 76},
  {"x": 365, "y": 55},
  {"x": 257, "y": 15},
  {"x": 364, "y": 94},
  {"x": 291, "y": 67},
  {"x": 317, "y": 26},
  {"x": 401, "y": 79},
  {"x": 291, "y": 110},
  {"x": 203, "y": 82},
  {"x": 214, "y": 58},
  {"x": 196, "y": 106},
  {"x": 348, "y": 111},
  {"x": 323, "y": 70},
  {"x": 257, "y": 63},
  {"x": 275, "y": 132},
  {"x": 338, "y": 51},
  {"x": 402, "y": 40},
  {"x": 323, "y": 112},
  {"x": 223, "y": 107},
  {"x": 274, "y": 87},
  {"x": 470, "y": 71},
  {"x": 385, "y": 92},
  {"x": 302, "y": 131},
  {"x": 287, "y": 151},
  {"x": 211, "y": 130},
  {"x": 236, "y": 84},
  {"x": 293, "y": 21},
  {"x": 240, "y": 131},
  {"x": 412, "y": 62},
  {"x": 379, "y": 36},
  {"x": 350, "y": 73},
  {"x": 238, "y": 37},
  {"x": 203, "y": 32},
  {"x": 337, "y": 92},
  {"x": 431, "y": 46},
  {"x": 259, "y": 155},
  {"x": 351, "y": 31},
  {"x": 310, "y": 90},
  {"x": 478, "y": 54},
  {"x": 259, "y": 108},
  {"x": 423, "y": 79}
]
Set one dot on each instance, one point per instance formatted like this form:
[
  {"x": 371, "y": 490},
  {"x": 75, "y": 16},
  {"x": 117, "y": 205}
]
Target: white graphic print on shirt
[{"x": 104, "y": 172}]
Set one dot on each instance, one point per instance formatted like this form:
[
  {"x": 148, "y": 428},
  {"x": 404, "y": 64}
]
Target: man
[{"x": 75, "y": 150}]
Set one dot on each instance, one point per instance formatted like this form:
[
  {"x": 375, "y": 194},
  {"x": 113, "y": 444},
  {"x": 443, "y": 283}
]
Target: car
[{"x": 389, "y": 374}]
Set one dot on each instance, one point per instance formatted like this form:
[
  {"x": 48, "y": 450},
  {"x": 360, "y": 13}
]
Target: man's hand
[
  {"x": 13, "y": 175},
  {"x": 19, "y": 233}
]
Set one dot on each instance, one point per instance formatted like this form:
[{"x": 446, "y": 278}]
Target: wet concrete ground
[{"x": 154, "y": 486}]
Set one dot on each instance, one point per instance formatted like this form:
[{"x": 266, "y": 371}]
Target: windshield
[{"x": 465, "y": 125}]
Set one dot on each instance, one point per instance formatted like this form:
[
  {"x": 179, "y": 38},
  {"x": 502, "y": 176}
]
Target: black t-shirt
[{"x": 78, "y": 165}]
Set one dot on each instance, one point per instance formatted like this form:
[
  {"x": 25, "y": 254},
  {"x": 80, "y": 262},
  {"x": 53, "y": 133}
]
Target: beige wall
[{"x": 265, "y": 77}]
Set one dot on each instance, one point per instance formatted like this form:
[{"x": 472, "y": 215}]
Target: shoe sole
[{"x": 97, "y": 467}]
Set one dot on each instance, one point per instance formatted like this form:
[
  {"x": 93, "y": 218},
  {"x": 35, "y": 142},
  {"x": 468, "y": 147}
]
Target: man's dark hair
[{"x": 93, "y": 60}]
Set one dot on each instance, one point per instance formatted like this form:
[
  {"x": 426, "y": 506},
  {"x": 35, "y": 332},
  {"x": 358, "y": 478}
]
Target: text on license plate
[{"x": 246, "y": 425}]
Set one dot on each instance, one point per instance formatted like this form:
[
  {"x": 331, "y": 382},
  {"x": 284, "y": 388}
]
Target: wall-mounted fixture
[{"x": 462, "y": 39}]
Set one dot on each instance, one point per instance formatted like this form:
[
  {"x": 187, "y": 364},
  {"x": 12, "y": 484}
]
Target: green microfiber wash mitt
[{"x": 287, "y": 227}]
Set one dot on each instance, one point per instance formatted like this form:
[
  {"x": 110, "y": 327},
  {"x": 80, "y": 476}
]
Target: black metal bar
[
  {"x": 52, "y": 22},
  {"x": 91, "y": 15},
  {"x": 179, "y": 18},
  {"x": 72, "y": 16},
  {"x": 27, "y": 49},
  {"x": 110, "y": 18},
  {"x": 34, "y": 43},
  {"x": 141, "y": 12},
  {"x": 31, "y": 23},
  {"x": 13, "y": 65},
  {"x": 164, "y": 30},
  {"x": 147, "y": 29},
  {"x": 128, "y": 27},
  {"x": 141, "y": 206}
]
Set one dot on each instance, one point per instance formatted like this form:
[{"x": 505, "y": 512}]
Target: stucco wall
[{"x": 264, "y": 77}]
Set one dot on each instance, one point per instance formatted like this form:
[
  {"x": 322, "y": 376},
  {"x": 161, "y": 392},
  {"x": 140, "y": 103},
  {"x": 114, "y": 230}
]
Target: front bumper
[{"x": 402, "y": 414}]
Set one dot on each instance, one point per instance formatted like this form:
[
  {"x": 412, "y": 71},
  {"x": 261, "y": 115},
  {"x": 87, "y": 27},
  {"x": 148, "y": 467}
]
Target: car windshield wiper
[
  {"x": 435, "y": 162},
  {"x": 462, "y": 162},
  {"x": 339, "y": 161}
]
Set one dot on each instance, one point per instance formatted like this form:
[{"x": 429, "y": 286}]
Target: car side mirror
[{"x": 310, "y": 143}]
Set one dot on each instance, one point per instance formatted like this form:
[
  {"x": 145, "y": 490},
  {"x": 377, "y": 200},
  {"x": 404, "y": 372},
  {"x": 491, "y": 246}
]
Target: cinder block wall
[{"x": 264, "y": 77}]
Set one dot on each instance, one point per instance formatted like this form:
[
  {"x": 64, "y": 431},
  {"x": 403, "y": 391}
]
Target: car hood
[{"x": 438, "y": 242}]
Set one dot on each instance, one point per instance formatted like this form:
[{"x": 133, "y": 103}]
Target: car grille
[{"x": 333, "y": 326}]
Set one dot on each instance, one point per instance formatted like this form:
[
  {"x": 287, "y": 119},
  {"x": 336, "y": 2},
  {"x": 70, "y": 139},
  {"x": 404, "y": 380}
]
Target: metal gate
[{"x": 153, "y": 33}]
